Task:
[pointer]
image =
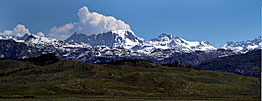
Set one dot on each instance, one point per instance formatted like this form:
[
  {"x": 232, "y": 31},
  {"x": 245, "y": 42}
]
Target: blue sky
[{"x": 215, "y": 21}]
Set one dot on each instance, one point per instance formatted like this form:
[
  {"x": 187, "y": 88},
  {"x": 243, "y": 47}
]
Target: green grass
[{"x": 142, "y": 80}]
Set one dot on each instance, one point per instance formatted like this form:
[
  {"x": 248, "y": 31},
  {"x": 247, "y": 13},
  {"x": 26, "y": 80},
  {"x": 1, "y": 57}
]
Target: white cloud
[
  {"x": 61, "y": 32},
  {"x": 8, "y": 32},
  {"x": 41, "y": 34},
  {"x": 89, "y": 23},
  {"x": 19, "y": 30}
]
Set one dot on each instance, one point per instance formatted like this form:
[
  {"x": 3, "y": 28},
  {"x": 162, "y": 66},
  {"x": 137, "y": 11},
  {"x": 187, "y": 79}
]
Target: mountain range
[
  {"x": 120, "y": 45},
  {"x": 128, "y": 40}
]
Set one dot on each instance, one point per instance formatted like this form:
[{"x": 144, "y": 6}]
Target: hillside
[
  {"x": 248, "y": 64},
  {"x": 49, "y": 76}
]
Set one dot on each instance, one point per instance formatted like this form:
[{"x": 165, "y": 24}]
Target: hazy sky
[{"x": 215, "y": 21}]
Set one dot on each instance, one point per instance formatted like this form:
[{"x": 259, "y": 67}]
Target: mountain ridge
[
  {"x": 101, "y": 53},
  {"x": 115, "y": 39},
  {"x": 129, "y": 40},
  {"x": 244, "y": 46}
]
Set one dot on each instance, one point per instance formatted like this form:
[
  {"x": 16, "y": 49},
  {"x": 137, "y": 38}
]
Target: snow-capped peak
[
  {"x": 122, "y": 33},
  {"x": 166, "y": 41},
  {"x": 126, "y": 39},
  {"x": 41, "y": 40},
  {"x": 116, "y": 39},
  {"x": 243, "y": 46},
  {"x": 16, "y": 38}
]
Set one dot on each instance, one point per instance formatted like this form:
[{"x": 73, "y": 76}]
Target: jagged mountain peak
[
  {"x": 77, "y": 38},
  {"x": 166, "y": 35},
  {"x": 166, "y": 41},
  {"x": 125, "y": 34},
  {"x": 243, "y": 46},
  {"x": 116, "y": 39}
]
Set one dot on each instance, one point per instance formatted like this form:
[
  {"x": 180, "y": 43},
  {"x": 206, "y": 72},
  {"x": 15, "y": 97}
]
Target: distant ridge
[
  {"x": 244, "y": 46},
  {"x": 248, "y": 64}
]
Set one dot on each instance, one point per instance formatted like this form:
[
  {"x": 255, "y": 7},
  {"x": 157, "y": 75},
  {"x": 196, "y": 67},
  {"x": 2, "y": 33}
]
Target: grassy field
[{"x": 51, "y": 77}]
